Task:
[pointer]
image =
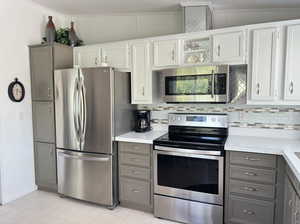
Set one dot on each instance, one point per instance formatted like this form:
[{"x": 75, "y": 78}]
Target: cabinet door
[
  {"x": 86, "y": 57},
  {"x": 289, "y": 203},
  {"x": 292, "y": 80},
  {"x": 45, "y": 165},
  {"x": 141, "y": 76},
  {"x": 43, "y": 122},
  {"x": 228, "y": 47},
  {"x": 165, "y": 53},
  {"x": 116, "y": 55},
  {"x": 41, "y": 63},
  {"x": 263, "y": 63}
]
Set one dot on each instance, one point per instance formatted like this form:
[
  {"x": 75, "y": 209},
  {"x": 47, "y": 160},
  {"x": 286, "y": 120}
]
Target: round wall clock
[{"x": 16, "y": 91}]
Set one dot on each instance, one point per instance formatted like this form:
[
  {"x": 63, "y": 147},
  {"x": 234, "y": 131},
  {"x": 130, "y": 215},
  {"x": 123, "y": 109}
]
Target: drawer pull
[
  {"x": 248, "y": 212},
  {"x": 135, "y": 191},
  {"x": 290, "y": 203},
  {"x": 134, "y": 159},
  {"x": 135, "y": 172},
  {"x": 249, "y": 189},
  {"x": 251, "y": 159},
  {"x": 250, "y": 174}
]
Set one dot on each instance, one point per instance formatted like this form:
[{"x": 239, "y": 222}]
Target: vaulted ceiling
[{"x": 125, "y": 6}]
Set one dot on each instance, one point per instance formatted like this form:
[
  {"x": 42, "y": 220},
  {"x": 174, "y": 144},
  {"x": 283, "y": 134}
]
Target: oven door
[{"x": 189, "y": 176}]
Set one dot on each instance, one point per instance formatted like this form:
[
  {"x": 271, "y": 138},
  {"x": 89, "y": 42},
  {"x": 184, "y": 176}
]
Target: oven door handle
[{"x": 188, "y": 151}]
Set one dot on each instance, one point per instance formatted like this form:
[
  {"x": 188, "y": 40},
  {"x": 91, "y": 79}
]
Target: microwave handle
[{"x": 213, "y": 84}]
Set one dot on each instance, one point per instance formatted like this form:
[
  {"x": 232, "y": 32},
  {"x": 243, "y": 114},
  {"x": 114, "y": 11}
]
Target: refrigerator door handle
[
  {"x": 76, "y": 110},
  {"x": 83, "y": 109},
  {"x": 84, "y": 158}
]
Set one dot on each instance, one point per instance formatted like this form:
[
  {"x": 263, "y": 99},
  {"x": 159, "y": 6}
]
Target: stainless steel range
[{"x": 189, "y": 169}]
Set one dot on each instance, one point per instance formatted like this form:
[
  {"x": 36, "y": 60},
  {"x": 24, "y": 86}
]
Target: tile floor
[{"x": 47, "y": 208}]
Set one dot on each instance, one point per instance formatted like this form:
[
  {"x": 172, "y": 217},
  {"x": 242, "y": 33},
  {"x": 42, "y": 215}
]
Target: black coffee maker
[{"x": 142, "y": 121}]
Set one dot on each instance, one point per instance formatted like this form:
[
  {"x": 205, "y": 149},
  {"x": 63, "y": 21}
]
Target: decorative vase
[
  {"x": 74, "y": 40},
  {"x": 50, "y": 31}
]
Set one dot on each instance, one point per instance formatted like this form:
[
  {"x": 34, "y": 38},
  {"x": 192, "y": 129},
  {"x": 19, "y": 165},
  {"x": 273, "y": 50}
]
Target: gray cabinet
[
  {"x": 43, "y": 123},
  {"x": 45, "y": 164},
  {"x": 135, "y": 176},
  {"x": 253, "y": 188},
  {"x": 291, "y": 199},
  {"x": 44, "y": 59}
]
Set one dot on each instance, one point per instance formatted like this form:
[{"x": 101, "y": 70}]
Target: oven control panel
[{"x": 199, "y": 120}]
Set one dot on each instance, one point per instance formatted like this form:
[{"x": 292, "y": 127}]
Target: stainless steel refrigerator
[{"x": 92, "y": 106}]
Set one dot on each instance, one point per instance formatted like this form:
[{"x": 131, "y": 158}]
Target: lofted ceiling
[{"x": 127, "y": 6}]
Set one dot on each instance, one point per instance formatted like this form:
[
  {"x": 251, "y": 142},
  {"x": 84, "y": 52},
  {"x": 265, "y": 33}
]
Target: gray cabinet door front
[
  {"x": 289, "y": 202},
  {"x": 43, "y": 122},
  {"x": 45, "y": 165},
  {"x": 41, "y": 63}
]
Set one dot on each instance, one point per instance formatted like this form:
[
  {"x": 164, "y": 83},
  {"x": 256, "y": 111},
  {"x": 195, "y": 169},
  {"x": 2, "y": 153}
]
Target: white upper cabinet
[
  {"x": 88, "y": 56},
  {"x": 165, "y": 53},
  {"x": 263, "y": 61},
  {"x": 292, "y": 77},
  {"x": 116, "y": 55},
  {"x": 141, "y": 74},
  {"x": 197, "y": 51},
  {"x": 229, "y": 47}
]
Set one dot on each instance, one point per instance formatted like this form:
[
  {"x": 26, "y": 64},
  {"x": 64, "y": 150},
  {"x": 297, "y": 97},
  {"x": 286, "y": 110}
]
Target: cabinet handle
[
  {"x": 291, "y": 87},
  {"x": 290, "y": 203},
  {"x": 257, "y": 88},
  {"x": 249, "y": 189},
  {"x": 219, "y": 50},
  {"x": 134, "y": 159},
  {"x": 248, "y": 212},
  {"x": 96, "y": 61},
  {"x": 135, "y": 191},
  {"x": 251, "y": 159},
  {"x": 143, "y": 91},
  {"x": 173, "y": 55},
  {"x": 250, "y": 174},
  {"x": 49, "y": 92},
  {"x": 135, "y": 172}
]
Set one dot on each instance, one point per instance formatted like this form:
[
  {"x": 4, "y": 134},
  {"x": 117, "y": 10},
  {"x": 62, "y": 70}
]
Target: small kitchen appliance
[
  {"x": 189, "y": 169},
  {"x": 142, "y": 121}
]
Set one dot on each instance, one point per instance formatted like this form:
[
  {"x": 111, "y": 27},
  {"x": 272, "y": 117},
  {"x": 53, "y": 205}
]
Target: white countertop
[
  {"x": 273, "y": 143},
  {"x": 137, "y": 137}
]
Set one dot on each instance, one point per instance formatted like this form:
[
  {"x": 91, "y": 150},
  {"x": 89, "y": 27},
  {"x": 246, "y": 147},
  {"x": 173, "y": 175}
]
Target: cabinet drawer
[
  {"x": 135, "y": 160},
  {"x": 137, "y": 148},
  {"x": 253, "y": 159},
  {"x": 252, "y": 189},
  {"x": 135, "y": 172},
  {"x": 135, "y": 191},
  {"x": 252, "y": 174},
  {"x": 248, "y": 211}
]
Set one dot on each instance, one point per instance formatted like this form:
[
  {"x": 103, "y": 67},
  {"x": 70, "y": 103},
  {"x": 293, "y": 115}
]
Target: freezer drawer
[{"x": 86, "y": 176}]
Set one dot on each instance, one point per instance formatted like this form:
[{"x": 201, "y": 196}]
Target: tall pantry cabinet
[{"x": 44, "y": 59}]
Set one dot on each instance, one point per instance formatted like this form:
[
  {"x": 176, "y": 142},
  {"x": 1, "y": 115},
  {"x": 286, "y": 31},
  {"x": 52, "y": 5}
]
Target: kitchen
[{"x": 186, "y": 126}]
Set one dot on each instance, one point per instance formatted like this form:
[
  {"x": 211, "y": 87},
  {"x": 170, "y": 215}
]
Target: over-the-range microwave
[{"x": 204, "y": 84}]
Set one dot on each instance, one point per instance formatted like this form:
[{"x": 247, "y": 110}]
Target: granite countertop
[{"x": 137, "y": 137}]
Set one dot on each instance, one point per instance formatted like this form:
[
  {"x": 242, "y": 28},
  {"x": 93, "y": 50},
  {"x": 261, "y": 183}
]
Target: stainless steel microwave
[{"x": 202, "y": 84}]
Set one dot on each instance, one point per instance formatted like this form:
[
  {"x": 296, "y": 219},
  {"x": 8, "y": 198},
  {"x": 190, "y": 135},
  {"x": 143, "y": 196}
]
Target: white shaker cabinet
[
  {"x": 292, "y": 76},
  {"x": 141, "y": 73},
  {"x": 229, "y": 47},
  {"x": 116, "y": 55},
  {"x": 263, "y": 63},
  {"x": 165, "y": 53},
  {"x": 87, "y": 56}
]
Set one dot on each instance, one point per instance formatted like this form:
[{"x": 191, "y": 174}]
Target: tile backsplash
[{"x": 267, "y": 117}]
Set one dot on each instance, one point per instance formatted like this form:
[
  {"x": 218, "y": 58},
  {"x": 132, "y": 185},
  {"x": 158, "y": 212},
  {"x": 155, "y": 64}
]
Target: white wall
[
  {"x": 227, "y": 18},
  {"x": 107, "y": 28},
  {"x": 22, "y": 23}
]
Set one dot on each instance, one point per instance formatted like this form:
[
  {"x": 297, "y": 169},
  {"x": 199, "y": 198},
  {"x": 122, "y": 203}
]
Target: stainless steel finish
[
  {"x": 237, "y": 84},
  {"x": 188, "y": 151},
  {"x": 190, "y": 195},
  {"x": 66, "y": 109},
  {"x": 212, "y": 120},
  {"x": 198, "y": 70},
  {"x": 187, "y": 211},
  {"x": 92, "y": 107},
  {"x": 196, "y": 18},
  {"x": 86, "y": 177}
]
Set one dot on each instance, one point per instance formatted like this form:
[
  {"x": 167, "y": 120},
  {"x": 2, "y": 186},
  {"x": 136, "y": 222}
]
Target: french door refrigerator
[{"x": 92, "y": 106}]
